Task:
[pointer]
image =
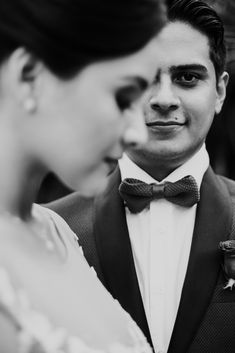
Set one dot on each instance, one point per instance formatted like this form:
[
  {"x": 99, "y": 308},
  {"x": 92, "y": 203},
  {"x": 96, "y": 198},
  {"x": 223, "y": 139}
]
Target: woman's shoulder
[
  {"x": 11, "y": 232},
  {"x": 41, "y": 211},
  {"x": 36, "y": 333},
  {"x": 50, "y": 215}
]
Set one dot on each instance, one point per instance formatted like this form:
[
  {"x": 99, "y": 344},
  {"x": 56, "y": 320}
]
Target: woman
[{"x": 71, "y": 75}]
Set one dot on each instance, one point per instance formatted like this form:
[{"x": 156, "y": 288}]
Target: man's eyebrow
[{"x": 196, "y": 67}]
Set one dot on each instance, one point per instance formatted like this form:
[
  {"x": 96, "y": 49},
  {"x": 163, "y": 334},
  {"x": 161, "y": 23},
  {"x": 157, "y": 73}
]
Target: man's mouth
[
  {"x": 164, "y": 123},
  {"x": 165, "y": 127}
]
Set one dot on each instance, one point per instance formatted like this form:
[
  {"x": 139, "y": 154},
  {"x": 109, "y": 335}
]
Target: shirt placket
[{"x": 157, "y": 275}]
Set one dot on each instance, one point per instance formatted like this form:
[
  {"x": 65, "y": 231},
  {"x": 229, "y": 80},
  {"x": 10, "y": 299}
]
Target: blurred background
[{"x": 221, "y": 139}]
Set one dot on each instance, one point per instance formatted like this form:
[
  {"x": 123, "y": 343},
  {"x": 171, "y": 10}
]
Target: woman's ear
[
  {"x": 24, "y": 72},
  {"x": 221, "y": 91}
]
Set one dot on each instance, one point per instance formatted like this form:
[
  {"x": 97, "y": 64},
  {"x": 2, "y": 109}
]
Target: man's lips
[{"x": 164, "y": 123}]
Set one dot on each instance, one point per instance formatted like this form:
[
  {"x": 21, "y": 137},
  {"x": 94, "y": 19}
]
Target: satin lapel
[
  {"x": 115, "y": 252},
  {"x": 213, "y": 223}
]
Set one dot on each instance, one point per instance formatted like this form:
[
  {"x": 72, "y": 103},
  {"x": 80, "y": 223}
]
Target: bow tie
[{"x": 137, "y": 195}]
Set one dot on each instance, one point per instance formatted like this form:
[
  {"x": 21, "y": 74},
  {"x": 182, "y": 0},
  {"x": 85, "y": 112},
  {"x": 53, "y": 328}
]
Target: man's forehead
[
  {"x": 174, "y": 30},
  {"x": 179, "y": 36},
  {"x": 181, "y": 47}
]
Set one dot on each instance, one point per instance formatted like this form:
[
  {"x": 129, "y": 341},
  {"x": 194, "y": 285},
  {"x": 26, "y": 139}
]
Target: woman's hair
[{"x": 69, "y": 34}]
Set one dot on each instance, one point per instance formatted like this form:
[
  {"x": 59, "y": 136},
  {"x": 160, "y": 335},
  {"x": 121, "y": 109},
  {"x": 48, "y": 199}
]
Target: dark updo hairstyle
[
  {"x": 203, "y": 18},
  {"x": 69, "y": 34}
]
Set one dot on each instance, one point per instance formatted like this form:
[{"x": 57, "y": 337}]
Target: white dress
[{"x": 35, "y": 330}]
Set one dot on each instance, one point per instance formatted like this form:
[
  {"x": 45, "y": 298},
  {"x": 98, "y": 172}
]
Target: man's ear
[
  {"x": 221, "y": 91},
  {"x": 24, "y": 71}
]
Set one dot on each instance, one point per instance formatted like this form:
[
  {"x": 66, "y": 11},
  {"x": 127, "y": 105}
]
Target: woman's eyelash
[
  {"x": 123, "y": 101},
  {"x": 126, "y": 97}
]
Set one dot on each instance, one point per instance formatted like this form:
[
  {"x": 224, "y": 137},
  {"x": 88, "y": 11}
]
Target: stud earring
[{"x": 30, "y": 105}]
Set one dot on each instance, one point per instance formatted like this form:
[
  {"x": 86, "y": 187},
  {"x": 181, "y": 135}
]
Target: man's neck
[
  {"x": 156, "y": 169},
  {"x": 159, "y": 168}
]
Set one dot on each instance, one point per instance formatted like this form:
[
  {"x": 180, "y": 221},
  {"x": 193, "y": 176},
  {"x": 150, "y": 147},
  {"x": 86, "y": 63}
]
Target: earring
[{"x": 30, "y": 105}]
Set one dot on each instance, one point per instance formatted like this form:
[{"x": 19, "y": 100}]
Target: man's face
[{"x": 182, "y": 101}]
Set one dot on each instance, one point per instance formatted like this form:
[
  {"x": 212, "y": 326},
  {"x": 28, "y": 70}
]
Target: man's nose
[
  {"x": 163, "y": 98},
  {"x": 136, "y": 131}
]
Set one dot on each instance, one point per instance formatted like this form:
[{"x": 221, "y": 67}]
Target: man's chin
[
  {"x": 156, "y": 152},
  {"x": 167, "y": 157}
]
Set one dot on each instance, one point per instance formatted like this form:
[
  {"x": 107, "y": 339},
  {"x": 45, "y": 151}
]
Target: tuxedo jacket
[{"x": 205, "y": 321}]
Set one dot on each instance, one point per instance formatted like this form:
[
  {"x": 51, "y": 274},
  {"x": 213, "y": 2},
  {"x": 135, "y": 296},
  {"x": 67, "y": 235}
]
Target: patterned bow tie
[{"x": 138, "y": 195}]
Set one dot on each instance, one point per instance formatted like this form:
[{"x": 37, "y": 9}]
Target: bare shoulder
[
  {"x": 8, "y": 336},
  {"x": 13, "y": 238}
]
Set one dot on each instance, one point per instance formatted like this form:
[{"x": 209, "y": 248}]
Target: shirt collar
[{"x": 195, "y": 166}]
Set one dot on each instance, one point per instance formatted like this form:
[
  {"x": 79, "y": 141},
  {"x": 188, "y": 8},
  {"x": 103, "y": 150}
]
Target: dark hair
[
  {"x": 203, "y": 18},
  {"x": 70, "y": 34}
]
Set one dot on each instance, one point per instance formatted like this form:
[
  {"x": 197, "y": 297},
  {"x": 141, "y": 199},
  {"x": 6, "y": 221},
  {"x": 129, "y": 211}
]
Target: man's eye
[{"x": 187, "y": 79}]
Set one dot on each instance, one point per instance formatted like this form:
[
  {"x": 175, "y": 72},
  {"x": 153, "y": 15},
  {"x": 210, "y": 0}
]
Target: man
[{"x": 159, "y": 258}]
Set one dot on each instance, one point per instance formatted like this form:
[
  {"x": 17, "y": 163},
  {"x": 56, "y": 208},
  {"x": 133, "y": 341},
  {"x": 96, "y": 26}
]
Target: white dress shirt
[{"x": 161, "y": 238}]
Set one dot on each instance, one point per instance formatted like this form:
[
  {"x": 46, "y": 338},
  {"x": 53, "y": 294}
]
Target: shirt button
[
  {"x": 161, "y": 230},
  {"x": 158, "y": 291}
]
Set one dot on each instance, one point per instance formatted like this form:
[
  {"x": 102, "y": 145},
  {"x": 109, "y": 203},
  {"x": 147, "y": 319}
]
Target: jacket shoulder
[
  {"x": 72, "y": 206},
  {"x": 230, "y": 184}
]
